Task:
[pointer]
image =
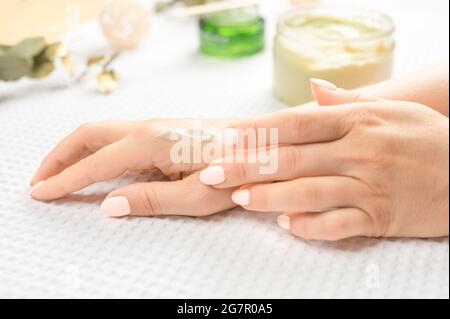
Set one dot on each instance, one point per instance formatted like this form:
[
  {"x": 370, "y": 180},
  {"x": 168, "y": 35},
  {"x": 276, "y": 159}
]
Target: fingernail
[
  {"x": 35, "y": 187},
  {"x": 212, "y": 175},
  {"x": 324, "y": 84},
  {"x": 284, "y": 222},
  {"x": 117, "y": 206},
  {"x": 230, "y": 137},
  {"x": 241, "y": 197}
]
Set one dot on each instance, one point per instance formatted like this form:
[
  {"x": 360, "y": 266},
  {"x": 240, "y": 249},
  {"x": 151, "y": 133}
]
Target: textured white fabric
[{"x": 67, "y": 249}]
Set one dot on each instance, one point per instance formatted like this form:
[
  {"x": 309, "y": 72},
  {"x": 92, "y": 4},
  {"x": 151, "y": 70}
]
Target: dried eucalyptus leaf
[
  {"x": 29, "y": 47},
  {"x": 42, "y": 66},
  {"x": 3, "y": 49},
  {"x": 13, "y": 67},
  {"x": 40, "y": 58},
  {"x": 41, "y": 70}
]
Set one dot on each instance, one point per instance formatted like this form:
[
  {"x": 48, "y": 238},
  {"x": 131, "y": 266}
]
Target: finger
[
  {"x": 185, "y": 197},
  {"x": 107, "y": 163},
  {"x": 330, "y": 226},
  {"x": 303, "y": 194},
  {"x": 298, "y": 125},
  {"x": 86, "y": 140},
  {"x": 274, "y": 164},
  {"x": 326, "y": 93}
]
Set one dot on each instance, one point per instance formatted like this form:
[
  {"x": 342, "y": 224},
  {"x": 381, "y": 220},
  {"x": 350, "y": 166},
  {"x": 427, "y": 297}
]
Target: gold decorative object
[
  {"x": 107, "y": 81},
  {"x": 125, "y": 23},
  {"x": 106, "y": 78},
  {"x": 34, "y": 58}
]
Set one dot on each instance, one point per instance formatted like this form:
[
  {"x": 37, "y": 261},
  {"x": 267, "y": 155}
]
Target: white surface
[{"x": 67, "y": 249}]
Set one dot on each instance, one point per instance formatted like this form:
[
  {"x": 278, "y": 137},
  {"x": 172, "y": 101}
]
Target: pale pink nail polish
[
  {"x": 324, "y": 84},
  {"x": 117, "y": 206},
  {"x": 241, "y": 197},
  {"x": 212, "y": 175},
  {"x": 284, "y": 222},
  {"x": 35, "y": 187}
]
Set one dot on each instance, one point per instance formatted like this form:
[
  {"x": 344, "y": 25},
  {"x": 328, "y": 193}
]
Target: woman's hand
[
  {"x": 369, "y": 167},
  {"x": 103, "y": 151}
]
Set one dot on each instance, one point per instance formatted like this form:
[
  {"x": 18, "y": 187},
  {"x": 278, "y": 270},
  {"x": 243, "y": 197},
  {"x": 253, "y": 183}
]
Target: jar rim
[{"x": 387, "y": 30}]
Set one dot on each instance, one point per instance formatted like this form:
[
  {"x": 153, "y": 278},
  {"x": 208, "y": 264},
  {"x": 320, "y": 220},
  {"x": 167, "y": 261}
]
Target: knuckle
[
  {"x": 356, "y": 96},
  {"x": 86, "y": 165},
  {"x": 364, "y": 116},
  {"x": 149, "y": 201},
  {"x": 298, "y": 121},
  {"x": 290, "y": 158},
  {"x": 381, "y": 223},
  {"x": 240, "y": 172},
  {"x": 304, "y": 230},
  {"x": 145, "y": 130},
  {"x": 312, "y": 196}
]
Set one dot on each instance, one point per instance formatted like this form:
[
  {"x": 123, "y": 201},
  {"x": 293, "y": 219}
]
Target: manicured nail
[
  {"x": 241, "y": 197},
  {"x": 230, "y": 136},
  {"x": 212, "y": 175},
  {"x": 35, "y": 187},
  {"x": 284, "y": 222},
  {"x": 324, "y": 84},
  {"x": 117, "y": 206}
]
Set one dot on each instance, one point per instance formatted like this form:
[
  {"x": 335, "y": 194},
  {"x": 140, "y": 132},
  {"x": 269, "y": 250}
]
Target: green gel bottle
[{"x": 232, "y": 33}]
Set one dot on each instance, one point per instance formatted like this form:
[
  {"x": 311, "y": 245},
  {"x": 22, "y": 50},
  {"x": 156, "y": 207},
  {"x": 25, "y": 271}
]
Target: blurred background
[{"x": 154, "y": 43}]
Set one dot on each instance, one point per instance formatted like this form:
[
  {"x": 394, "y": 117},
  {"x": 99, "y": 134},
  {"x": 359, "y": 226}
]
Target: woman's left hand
[
  {"x": 368, "y": 167},
  {"x": 102, "y": 151}
]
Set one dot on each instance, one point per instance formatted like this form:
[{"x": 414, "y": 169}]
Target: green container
[{"x": 232, "y": 33}]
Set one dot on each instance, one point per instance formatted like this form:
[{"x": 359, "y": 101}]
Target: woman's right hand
[
  {"x": 366, "y": 167},
  {"x": 103, "y": 151}
]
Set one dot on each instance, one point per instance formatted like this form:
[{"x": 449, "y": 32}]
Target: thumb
[{"x": 326, "y": 93}]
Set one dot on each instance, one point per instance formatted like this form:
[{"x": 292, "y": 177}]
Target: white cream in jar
[{"x": 350, "y": 47}]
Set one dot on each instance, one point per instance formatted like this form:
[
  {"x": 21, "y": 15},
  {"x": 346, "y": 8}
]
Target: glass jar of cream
[{"x": 351, "y": 47}]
